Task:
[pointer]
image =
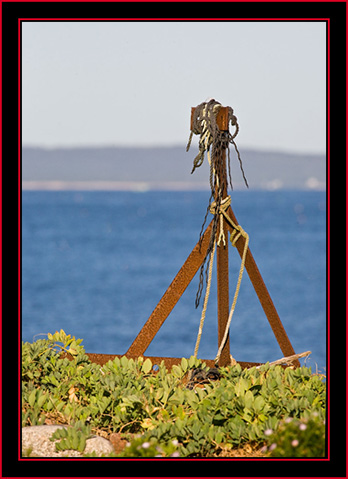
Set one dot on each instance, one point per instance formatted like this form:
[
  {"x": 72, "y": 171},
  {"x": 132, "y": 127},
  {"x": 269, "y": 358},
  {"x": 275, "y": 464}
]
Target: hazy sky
[{"x": 133, "y": 83}]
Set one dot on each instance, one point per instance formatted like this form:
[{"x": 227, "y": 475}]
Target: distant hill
[{"x": 163, "y": 168}]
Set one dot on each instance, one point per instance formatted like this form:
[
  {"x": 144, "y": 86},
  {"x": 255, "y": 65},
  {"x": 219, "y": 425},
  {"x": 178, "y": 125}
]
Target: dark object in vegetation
[{"x": 200, "y": 376}]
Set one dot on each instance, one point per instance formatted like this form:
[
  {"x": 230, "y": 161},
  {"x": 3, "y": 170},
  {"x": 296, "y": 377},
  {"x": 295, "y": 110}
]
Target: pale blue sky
[{"x": 133, "y": 83}]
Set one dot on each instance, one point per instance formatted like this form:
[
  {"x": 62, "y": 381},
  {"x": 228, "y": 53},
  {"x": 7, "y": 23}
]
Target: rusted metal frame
[
  {"x": 263, "y": 295},
  {"x": 102, "y": 359},
  {"x": 171, "y": 296},
  {"x": 184, "y": 277}
]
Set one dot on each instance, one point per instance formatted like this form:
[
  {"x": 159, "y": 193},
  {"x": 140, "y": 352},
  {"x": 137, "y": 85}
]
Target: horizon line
[{"x": 144, "y": 186}]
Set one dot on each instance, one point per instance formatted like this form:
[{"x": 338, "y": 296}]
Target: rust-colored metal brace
[{"x": 188, "y": 271}]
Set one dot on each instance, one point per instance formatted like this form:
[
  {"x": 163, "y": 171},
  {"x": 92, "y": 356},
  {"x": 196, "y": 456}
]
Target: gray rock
[
  {"x": 36, "y": 440},
  {"x": 99, "y": 445}
]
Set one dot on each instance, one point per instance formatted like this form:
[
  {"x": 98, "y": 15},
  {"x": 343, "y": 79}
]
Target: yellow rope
[
  {"x": 206, "y": 139},
  {"x": 222, "y": 212},
  {"x": 206, "y": 298},
  {"x": 235, "y": 235}
]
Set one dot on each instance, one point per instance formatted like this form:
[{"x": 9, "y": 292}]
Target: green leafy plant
[
  {"x": 303, "y": 437},
  {"x": 141, "y": 447},
  {"x": 61, "y": 385},
  {"x": 74, "y": 437}
]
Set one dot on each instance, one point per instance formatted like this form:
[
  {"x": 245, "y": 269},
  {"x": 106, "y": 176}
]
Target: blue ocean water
[{"x": 95, "y": 264}]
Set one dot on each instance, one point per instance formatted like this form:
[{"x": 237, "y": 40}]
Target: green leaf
[
  {"x": 62, "y": 445},
  {"x": 32, "y": 398},
  {"x": 193, "y": 362},
  {"x": 262, "y": 418},
  {"x": 247, "y": 415},
  {"x": 159, "y": 393},
  {"x": 29, "y": 374},
  {"x": 184, "y": 364},
  {"x": 249, "y": 399},
  {"x": 82, "y": 444},
  {"x": 60, "y": 433},
  {"x": 147, "y": 366},
  {"x": 176, "y": 371},
  {"x": 200, "y": 392},
  {"x": 53, "y": 380},
  {"x": 219, "y": 417},
  {"x": 103, "y": 403},
  {"x": 179, "y": 424},
  {"x": 124, "y": 362},
  {"x": 75, "y": 442},
  {"x": 50, "y": 405},
  {"x": 241, "y": 387},
  {"x": 259, "y": 403},
  {"x": 41, "y": 400},
  {"x": 165, "y": 397}
]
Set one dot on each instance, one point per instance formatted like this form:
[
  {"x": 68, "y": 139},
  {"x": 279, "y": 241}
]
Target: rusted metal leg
[
  {"x": 171, "y": 296},
  {"x": 264, "y": 296},
  {"x": 222, "y": 278},
  {"x": 223, "y": 298}
]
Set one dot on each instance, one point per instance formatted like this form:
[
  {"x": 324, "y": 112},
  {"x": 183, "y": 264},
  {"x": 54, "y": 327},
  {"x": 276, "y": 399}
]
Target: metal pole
[{"x": 222, "y": 279}]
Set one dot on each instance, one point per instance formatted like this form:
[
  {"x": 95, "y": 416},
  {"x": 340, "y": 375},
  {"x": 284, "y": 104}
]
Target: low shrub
[
  {"x": 158, "y": 410},
  {"x": 303, "y": 437}
]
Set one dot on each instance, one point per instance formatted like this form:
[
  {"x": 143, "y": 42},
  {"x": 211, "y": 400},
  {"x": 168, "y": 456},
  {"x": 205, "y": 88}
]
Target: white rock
[
  {"x": 99, "y": 445},
  {"x": 36, "y": 439}
]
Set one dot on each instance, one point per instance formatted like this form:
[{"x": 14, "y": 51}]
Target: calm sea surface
[{"x": 96, "y": 264}]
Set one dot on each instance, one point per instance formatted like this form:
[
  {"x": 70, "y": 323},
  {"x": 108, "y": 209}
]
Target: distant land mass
[{"x": 163, "y": 168}]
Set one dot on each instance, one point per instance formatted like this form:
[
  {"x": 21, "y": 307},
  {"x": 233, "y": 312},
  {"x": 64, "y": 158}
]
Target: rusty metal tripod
[
  {"x": 184, "y": 277},
  {"x": 188, "y": 271}
]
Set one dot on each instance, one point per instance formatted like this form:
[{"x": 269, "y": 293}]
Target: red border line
[
  {"x": 170, "y": 1},
  {"x": 174, "y": 19},
  {"x": 1, "y": 159},
  {"x": 327, "y": 20},
  {"x": 19, "y": 229},
  {"x": 328, "y": 231}
]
